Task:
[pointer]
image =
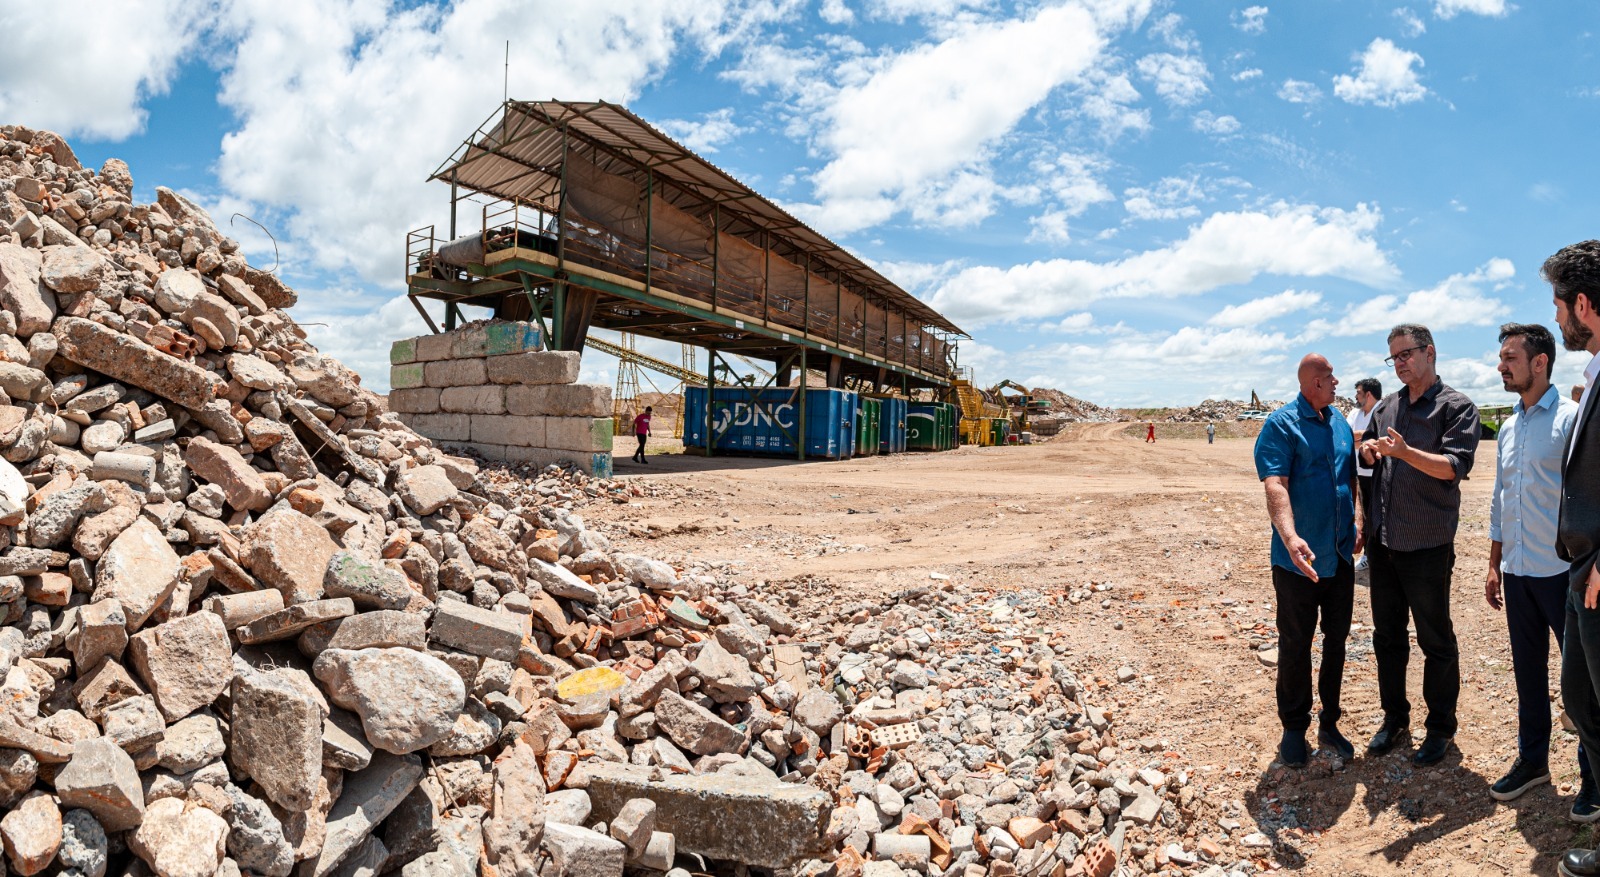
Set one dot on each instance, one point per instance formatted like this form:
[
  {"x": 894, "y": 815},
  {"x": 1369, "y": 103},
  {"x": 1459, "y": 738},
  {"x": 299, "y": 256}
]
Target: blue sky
[{"x": 1138, "y": 202}]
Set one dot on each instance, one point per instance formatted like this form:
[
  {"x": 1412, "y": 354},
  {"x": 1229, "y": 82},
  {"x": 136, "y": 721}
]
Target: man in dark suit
[{"x": 1574, "y": 277}]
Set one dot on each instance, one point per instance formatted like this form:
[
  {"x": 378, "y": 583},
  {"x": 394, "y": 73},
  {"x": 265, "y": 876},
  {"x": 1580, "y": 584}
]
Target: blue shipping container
[
  {"x": 749, "y": 421},
  {"x": 892, "y": 433}
]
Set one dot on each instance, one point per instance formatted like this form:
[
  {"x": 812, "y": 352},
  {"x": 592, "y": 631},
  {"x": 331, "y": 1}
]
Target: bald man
[{"x": 1305, "y": 456}]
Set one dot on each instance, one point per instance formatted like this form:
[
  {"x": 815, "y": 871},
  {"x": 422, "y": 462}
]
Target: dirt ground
[{"x": 1178, "y": 529}]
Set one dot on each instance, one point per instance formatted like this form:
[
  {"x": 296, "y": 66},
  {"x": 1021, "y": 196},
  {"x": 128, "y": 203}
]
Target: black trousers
[
  {"x": 639, "y": 454},
  {"x": 1300, "y": 602},
  {"x": 1536, "y": 607},
  {"x": 1580, "y": 667},
  {"x": 1364, "y": 482},
  {"x": 1414, "y": 586}
]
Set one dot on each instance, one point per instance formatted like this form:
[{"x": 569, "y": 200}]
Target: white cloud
[
  {"x": 1460, "y": 300},
  {"x": 1451, "y": 8},
  {"x": 1386, "y": 77},
  {"x": 1170, "y": 198},
  {"x": 1247, "y": 74},
  {"x": 1251, "y": 19},
  {"x": 1071, "y": 324},
  {"x": 1107, "y": 100},
  {"x": 1073, "y": 185},
  {"x": 1225, "y": 249},
  {"x": 1297, "y": 91},
  {"x": 85, "y": 68},
  {"x": 1411, "y": 24},
  {"x": 1194, "y": 346},
  {"x": 1264, "y": 310},
  {"x": 769, "y": 65},
  {"x": 360, "y": 338},
  {"x": 304, "y": 69},
  {"x": 1207, "y": 122},
  {"x": 1139, "y": 368},
  {"x": 706, "y": 133},
  {"x": 900, "y": 10},
  {"x": 932, "y": 112},
  {"x": 836, "y": 12},
  {"x": 1169, "y": 28},
  {"x": 1180, "y": 79}
]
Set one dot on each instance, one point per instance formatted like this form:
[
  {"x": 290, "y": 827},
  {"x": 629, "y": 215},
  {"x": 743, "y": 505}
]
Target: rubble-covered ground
[
  {"x": 1144, "y": 568},
  {"x": 252, "y": 624}
]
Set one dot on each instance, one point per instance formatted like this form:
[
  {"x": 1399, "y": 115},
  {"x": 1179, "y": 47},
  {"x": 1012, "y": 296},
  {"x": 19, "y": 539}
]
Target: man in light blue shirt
[{"x": 1526, "y": 578}]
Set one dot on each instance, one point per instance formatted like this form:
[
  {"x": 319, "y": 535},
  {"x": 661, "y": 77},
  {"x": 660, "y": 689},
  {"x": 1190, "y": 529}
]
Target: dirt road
[{"x": 1159, "y": 556}]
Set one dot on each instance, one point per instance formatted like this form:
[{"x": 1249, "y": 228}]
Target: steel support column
[
  {"x": 801, "y": 444},
  {"x": 711, "y": 393}
]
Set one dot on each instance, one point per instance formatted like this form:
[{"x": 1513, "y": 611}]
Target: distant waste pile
[
  {"x": 252, "y": 624},
  {"x": 1070, "y": 409}
]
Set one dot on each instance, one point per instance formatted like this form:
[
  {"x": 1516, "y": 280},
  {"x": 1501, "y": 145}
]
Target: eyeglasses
[{"x": 1404, "y": 355}]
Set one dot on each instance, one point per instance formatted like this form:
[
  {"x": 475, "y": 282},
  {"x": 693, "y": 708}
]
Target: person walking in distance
[
  {"x": 1525, "y": 576},
  {"x": 641, "y": 430},
  {"x": 1574, "y": 277},
  {"x": 1211, "y": 433},
  {"x": 1150, "y": 432},
  {"x": 1420, "y": 443},
  {"x": 1305, "y": 457},
  {"x": 1368, "y": 392}
]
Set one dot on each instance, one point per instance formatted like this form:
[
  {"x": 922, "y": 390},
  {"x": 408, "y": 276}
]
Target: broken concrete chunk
[
  {"x": 186, "y": 662},
  {"x": 223, "y": 466},
  {"x": 139, "y": 570},
  {"x": 722, "y": 816},
  {"x": 407, "y": 700},
  {"x": 477, "y": 631},
  {"x": 101, "y": 779},
  {"x": 132, "y": 361},
  {"x": 369, "y": 797},
  {"x": 277, "y": 737},
  {"x": 290, "y": 552}
]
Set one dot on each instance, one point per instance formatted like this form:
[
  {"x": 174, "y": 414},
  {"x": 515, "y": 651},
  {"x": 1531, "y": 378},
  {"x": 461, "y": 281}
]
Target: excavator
[{"x": 1021, "y": 407}]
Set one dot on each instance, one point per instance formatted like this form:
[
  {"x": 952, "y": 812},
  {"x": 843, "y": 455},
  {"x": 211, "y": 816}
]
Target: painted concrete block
[
  {"x": 486, "y": 399},
  {"x": 456, "y": 373},
  {"x": 422, "y": 400},
  {"x": 559, "y": 400}
]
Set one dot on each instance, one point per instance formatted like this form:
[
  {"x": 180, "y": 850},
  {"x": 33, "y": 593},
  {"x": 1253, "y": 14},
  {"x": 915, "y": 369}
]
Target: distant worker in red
[
  {"x": 641, "y": 430},
  {"x": 1150, "y": 432}
]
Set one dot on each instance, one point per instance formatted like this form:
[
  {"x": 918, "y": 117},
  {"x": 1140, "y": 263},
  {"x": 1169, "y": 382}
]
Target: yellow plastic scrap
[{"x": 595, "y": 680}]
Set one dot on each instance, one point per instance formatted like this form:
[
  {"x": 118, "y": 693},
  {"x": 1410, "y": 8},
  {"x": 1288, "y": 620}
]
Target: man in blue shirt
[
  {"x": 1526, "y": 578},
  {"x": 1305, "y": 455}
]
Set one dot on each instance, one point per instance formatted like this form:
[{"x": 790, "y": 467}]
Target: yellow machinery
[{"x": 978, "y": 409}]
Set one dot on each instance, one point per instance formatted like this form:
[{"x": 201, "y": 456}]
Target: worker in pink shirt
[{"x": 641, "y": 429}]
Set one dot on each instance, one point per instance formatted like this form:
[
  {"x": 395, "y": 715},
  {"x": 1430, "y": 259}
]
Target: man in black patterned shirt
[{"x": 1421, "y": 443}]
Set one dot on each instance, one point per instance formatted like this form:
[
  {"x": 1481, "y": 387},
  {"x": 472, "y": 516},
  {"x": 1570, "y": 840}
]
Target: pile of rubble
[
  {"x": 1215, "y": 410},
  {"x": 567, "y": 486},
  {"x": 1071, "y": 409},
  {"x": 249, "y": 623}
]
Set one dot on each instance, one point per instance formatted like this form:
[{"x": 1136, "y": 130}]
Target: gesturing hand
[
  {"x": 1393, "y": 445},
  {"x": 1301, "y": 554}
]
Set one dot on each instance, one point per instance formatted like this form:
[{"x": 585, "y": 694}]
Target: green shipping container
[
  {"x": 932, "y": 426},
  {"x": 869, "y": 425}
]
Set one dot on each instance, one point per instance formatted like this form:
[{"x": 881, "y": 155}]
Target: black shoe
[
  {"x": 1292, "y": 751},
  {"x": 1329, "y": 736},
  {"x": 1388, "y": 737},
  {"x": 1586, "y": 807},
  {"x": 1432, "y": 751},
  {"x": 1579, "y": 863},
  {"x": 1523, "y": 776}
]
